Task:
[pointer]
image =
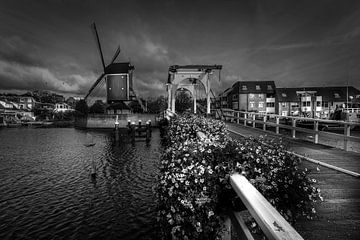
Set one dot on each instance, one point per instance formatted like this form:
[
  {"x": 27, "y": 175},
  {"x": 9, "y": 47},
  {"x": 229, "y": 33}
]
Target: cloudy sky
[{"x": 50, "y": 45}]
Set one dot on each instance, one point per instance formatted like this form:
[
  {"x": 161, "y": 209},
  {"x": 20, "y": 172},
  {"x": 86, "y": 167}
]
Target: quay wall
[{"x": 108, "y": 120}]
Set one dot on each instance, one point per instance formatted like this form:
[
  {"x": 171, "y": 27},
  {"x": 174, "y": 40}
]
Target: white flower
[
  {"x": 211, "y": 213},
  {"x": 202, "y": 180}
]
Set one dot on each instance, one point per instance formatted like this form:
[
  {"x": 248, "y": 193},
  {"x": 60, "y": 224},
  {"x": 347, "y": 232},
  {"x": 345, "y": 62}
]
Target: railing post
[
  {"x": 316, "y": 129},
  {"x": 277, "y": 125},
  {"x": 253, "y": 118},
  {"x": 245, "y": 119},
  {"x": 293, "y": 131},
  {"x": 264, "y": 125},
  {"x": 237, "y": 117},
  {"x": 346, "y": 134}
]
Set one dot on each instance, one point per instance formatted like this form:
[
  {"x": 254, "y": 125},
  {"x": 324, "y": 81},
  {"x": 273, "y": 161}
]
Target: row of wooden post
[
  {"x": 139, "y": 129},
  {"x": 293, "y": 125},
  {"x": 133, "y": 129}
]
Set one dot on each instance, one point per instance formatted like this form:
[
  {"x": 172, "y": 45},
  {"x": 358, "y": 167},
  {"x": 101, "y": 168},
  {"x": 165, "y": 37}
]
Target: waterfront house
[
  {"x": 317, "y": 102},
  {"x": 252, "y": 96},
  {"x": 62, "y": 107},
  {"x": 263, "y": 96},
  {"x": 26, "y": 102},
  {"x": 288, "y": 101},
  {"x": 11, "y": 110}
]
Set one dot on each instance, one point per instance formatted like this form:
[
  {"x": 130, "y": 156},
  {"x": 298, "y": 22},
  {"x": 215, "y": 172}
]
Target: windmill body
[
  {"x": 118, "y": 82},
  {"x": 122, "y": 104}
]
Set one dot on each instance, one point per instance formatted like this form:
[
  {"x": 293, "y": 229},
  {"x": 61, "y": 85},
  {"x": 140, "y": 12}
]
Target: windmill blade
[
  {"x": 118, "y": 50},
  {"x": 99, "y": 45},
  {"x": 94, "y": 85}
]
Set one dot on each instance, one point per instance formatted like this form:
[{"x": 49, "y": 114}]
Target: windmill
[{"x": 118, "y": 78}]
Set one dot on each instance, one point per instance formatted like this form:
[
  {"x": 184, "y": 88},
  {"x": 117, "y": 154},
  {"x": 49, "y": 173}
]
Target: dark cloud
[{"x": 49, "y": 44}]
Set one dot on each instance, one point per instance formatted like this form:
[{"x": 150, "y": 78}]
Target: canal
[{"x": 47, "y": 191}]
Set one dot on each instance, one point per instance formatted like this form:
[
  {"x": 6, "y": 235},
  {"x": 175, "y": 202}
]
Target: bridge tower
[{"x": 195, "y": 74}]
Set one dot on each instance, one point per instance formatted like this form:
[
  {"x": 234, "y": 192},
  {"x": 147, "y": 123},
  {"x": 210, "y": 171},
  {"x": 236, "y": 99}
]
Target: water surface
[{"x": 47, "y": 191}]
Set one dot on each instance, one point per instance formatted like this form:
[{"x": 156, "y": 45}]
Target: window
[
  {"x": 261, "y": 104},
  {"x": 325, "y": 104},
  {"x": 294, "y": 105},
  {"x": 235, "y": 105},
  {"x": 235, "y": 97},
  {"x": 261, "y": 96},
  {"x": 283, "y": 95},
  {"x": 244, "y": 87},
  {"x": 306, "y": 104},
  {"x": 270, "y": 104},
  {"x": 283, "y": 104},
  {"x": 251, "y": 95},
  {"x": 269, "y": 87},
  {"x": 252, "y": 104},
  {"x": 336, "y": 95},
  {"x": 318, "y": 104},
  {"x": 258, "y": 87}
]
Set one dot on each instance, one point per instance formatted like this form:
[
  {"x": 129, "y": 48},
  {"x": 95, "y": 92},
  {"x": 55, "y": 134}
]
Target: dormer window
[
  {"x": 269, "y": 87},
  {"x": 244, "y": 87},
  {"x": 336, "y": 95},
  {"x": 257, "y": 87},
  {"x": 283, "y": 95}
]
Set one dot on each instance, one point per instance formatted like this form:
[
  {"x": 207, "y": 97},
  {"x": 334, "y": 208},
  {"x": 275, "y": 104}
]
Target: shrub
[{"x": 194, "y": 186}]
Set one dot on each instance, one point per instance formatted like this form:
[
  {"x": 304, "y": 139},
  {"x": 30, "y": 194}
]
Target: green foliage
[
  {"x": 81, "y": 108},
  {"x": 42, "y": 114},
  {"x": 157, "y": 105},
  {"x": 64, "y": 116},
  {"x": 194, "y": 186},
  {"x": 183, "y": 102},
  {"x": 97, "y": 107}
]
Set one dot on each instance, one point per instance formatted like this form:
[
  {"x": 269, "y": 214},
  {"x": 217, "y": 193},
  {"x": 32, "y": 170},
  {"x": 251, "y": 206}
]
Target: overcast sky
[{"x": 49, "y": 44}]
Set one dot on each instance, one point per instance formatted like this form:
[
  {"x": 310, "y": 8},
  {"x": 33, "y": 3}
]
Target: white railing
[
  {"x": 273, "y": 225},
  {"x": 352, "y": 110},
  {"x": 292, "y": 123}
]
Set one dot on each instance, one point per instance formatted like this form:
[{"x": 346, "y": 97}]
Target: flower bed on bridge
[{"x": 194, "y": 186}]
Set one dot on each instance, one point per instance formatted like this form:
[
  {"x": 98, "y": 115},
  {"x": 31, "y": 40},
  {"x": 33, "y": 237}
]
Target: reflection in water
[{"x": 48, "y": 189}]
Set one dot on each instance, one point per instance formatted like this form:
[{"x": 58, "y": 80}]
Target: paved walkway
[
  {"x": 339, "y": 158},
  {"x": 339, "y": 214}
]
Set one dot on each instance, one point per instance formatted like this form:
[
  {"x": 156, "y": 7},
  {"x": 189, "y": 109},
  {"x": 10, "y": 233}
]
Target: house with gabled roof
[
  {"x": 253, "y": 96},
  {"x": 315, "y": 101}
]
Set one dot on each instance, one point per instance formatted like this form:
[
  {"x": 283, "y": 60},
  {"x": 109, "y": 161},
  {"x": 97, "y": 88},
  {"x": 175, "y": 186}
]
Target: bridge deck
[{"x": 339, "y": 214}]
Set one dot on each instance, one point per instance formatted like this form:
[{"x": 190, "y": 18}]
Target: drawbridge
[{"x": 188, "y": 77}]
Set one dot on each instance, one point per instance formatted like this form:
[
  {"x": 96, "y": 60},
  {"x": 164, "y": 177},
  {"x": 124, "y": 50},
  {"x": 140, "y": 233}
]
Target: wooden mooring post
[
  {"x": 117, "y": 137},
  {"x": 140, "y": 130}
]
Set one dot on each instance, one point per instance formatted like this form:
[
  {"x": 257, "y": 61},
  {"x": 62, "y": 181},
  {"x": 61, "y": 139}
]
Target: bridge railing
[
  {"x": 273, "y": 225},
  {"x": 295, "y": 124}
]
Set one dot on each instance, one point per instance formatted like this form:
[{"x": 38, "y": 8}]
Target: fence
[{"x": 295, "y": 124}]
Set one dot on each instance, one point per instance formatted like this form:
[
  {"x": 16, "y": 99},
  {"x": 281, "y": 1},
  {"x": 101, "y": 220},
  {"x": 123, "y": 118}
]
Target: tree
[
  {"x": 81, "y": 107},
  {"x": 97, "y": 107},
  {"x": 183, "y": 102},
  {"x": 157, "y": 105}
]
